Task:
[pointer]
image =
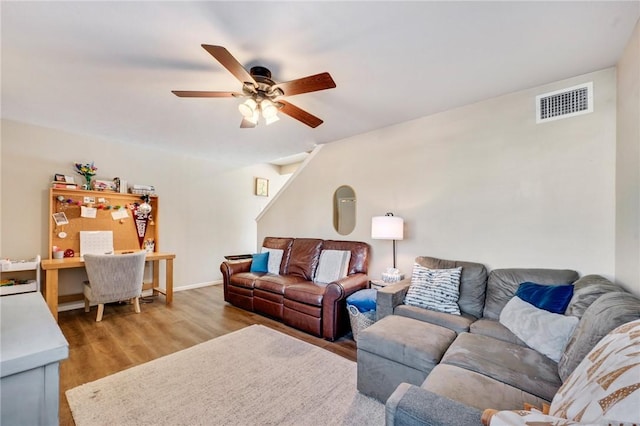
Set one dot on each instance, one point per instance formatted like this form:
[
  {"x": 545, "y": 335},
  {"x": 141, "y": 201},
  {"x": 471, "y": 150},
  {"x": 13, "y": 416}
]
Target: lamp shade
[{"x": 387, "y": 228}]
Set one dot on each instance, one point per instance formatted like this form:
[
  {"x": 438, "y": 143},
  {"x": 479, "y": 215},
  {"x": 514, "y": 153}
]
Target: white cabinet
[
  {"x": 31, "y": 348},
  {"x": 22, "y": 282}
]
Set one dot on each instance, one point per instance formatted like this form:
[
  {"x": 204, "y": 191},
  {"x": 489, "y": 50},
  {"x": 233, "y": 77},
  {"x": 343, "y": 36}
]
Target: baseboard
[
  {"x": 146, "y": 293},
  {"x": 197, "y": 285}
]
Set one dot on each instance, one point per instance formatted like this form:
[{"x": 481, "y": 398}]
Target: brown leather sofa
[{"x": 292, "y": 297}]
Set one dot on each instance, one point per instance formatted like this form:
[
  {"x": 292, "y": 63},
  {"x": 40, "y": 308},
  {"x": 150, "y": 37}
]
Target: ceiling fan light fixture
[
  {"x": 248, "y": 108},
  {"x": 254, "y": 117},
  {"x": 268, "y": 109},
  {"x": 269, "y": 120}
]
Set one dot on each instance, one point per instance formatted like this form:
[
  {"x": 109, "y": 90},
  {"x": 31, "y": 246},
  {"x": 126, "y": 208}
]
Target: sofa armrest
[
  {"x": 335, "y": 318},
  {"x": 391, "y": 296},
  {"x": 412, "y": 405},
  {"x": 230, "y": 268}
]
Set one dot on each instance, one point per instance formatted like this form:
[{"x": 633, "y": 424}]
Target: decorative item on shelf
[
  {"x": 103, "y": 185},
  {"x": 69, "y": 253},
  {"x": 388, "y": 227},
  {"x": 143, "y": 189},
  {"x": 87, "y": 171},
  {"x": 61, "y": 181}
]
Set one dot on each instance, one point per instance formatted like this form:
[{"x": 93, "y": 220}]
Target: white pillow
[
  {"x": 435, "y": 289},
  {"x": 333, "y": 265},
  {"x": 603, "y": 389},
  {"x": 544, "y": 331},
  {"x": 275, "y": 259}
]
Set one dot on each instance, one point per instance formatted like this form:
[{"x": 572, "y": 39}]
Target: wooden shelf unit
[{"x": 125, "y": 236}]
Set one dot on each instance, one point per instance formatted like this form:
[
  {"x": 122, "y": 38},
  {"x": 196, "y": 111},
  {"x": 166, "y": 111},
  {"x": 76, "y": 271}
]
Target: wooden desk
[{"x": 51, "y": 267}]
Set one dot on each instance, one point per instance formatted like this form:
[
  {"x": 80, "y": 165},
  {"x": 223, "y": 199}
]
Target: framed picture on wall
[{"x": 262, "y": 187}]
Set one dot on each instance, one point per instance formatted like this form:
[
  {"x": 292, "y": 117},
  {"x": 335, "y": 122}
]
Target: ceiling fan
[{"x": 264, "y": 94}]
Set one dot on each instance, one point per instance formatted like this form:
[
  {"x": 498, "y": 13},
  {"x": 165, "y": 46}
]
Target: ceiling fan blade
[
  {"x": 300, "y": 114},
  {"x": 246, "y": 124},
  {"x": 199, "y": 94},
  {"x": 229, "y": 62},
  {"x": 312, "y": 83}
]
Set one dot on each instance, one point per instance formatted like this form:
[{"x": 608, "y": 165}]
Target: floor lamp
[{"x": 388, "y": 227}]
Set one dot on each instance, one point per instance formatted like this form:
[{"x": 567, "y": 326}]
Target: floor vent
[{"x": 564, "y": 103}]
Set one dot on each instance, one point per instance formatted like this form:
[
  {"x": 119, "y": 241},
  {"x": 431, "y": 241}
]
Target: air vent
[{"x": 564, "y": 103}]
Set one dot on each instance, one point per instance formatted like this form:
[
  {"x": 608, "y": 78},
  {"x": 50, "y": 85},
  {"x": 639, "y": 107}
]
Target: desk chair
[{"x": 113, "y": 278}]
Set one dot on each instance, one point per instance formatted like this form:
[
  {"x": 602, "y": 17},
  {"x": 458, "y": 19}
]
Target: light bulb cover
[
  {"x": 270, "y": 120},
  {"x": 248, "y": 108},
  {"x": 268, "y": 109}
]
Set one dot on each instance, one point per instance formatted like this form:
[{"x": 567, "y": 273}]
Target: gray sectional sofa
[{"x": 441, "y": 369}]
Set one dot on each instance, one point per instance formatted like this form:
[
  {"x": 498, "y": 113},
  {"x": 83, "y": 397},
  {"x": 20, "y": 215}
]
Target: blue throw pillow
[
  {"x": 363, "y": 300},
  {"x": 552, "y": 298},
  {"x": 260, "y": 262}
]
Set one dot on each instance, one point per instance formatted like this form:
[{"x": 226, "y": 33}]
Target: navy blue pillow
[
  {"x": 552, "y": 298},
  {"x": 260, "y": 262},
  {"x": 363, "y": 300}
]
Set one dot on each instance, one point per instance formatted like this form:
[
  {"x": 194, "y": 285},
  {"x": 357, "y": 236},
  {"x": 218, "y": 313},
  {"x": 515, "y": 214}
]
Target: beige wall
[
  {"x": 628, "y": 165},
  {"x": 482, "y": 183},
  {"x": 204, "y": 214}
]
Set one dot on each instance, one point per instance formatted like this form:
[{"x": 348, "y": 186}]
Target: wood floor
[{"x": 124, "y": 339}]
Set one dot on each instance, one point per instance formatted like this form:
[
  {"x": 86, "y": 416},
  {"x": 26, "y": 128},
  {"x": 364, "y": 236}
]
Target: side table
[{"x": 378, "y": 284}]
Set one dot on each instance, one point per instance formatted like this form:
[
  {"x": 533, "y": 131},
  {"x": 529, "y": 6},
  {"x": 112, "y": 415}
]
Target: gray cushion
[
  {"x": 503, "y": 283},
  {"x": 586, "y": 290},
  {"x": 606, "y": 313},
  {"x": 493, "y": 328},
  {"x": 457, "y": 323},
  {"x": 417, "y": 344},
  {"x": 473, "y": 282},
  {"x": 464, "y": 385},
  {"x": 505, "y": 362},
  {"x": 412, "y": 406}
]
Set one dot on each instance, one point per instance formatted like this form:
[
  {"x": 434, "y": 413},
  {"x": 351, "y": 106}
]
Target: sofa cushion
[
  {"x": 274, "y": 263},
  {"x": 359, "y": 261},
  {"x": 552, "y": 298},
  {"x": 245, "y": 279},
  {"x": 606, "y": 313},
  {"x": 544, "y": 331},
  {"x": 586, "y": 290},
  {"x": 505, "y": 362},
  {"x": 457, "y": 323},
  {"x": 416, "y": 344},
  {"x": 305, "y": 292},
  {"x": 469, "y": 387},
  {"x": 493, "y": 328},
  {"x": 259, "y": 262},
  {"x": 473, "y": 282},
  {"x": 435, "y": 289},
  {"x": 305, "y": 253},
  {"x": 283, "y": 244},
  {"x": 276, "y": 283},
  {"x": 333, "y": 265},
  {"x": 605, "y": 387},
  {"x": 503, "y": 283}
]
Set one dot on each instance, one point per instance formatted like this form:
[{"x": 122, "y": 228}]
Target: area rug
[{"x": 254, "y": 376}]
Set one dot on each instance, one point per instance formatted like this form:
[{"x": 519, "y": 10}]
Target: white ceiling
[{"x": 106, "y": 69}]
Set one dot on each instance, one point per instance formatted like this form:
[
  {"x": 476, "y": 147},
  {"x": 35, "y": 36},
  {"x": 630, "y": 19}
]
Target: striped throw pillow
[
  {"x": 435, "y": 289},
  {"x": 333, "y": 265}
]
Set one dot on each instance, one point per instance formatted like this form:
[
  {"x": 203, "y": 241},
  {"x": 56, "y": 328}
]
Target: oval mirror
[{"x": 344, "y": 210}]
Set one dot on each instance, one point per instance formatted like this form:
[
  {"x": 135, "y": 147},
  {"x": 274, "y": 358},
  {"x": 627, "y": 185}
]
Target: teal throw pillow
[
  {"x": 260, "y": 262},
  {"x": 552, "y": 298}
]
